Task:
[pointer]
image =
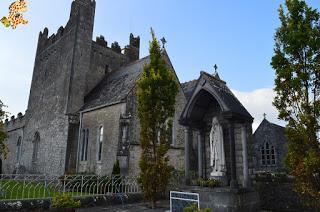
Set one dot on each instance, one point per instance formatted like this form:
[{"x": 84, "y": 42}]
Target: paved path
[{"x": 137, "y": 207}]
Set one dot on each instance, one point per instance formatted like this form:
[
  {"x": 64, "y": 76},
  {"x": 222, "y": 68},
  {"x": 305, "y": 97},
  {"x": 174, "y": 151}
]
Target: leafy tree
[
  {"x": 156, "y": 92},
  {"x": 3, "y": 134},
  {"x": 296, "y": 61}
]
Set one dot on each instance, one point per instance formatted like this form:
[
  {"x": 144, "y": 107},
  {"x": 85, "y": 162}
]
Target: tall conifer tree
[{"x": 156, "y": 92}]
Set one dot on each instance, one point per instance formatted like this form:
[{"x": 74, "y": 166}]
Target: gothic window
[
  {"x": 36, "y": 142},
  {"x": 84, "y": 145},
  {"x": 268, "y": 155},
  {"x": 18, "y": 149},
  {"x": 169, "y": 124},
  {"x": 100, "y": 139}
]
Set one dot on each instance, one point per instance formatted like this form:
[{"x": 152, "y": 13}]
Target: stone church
[
  {"x": 82, "y": 113},
  {"x": 270, "y": 147}
]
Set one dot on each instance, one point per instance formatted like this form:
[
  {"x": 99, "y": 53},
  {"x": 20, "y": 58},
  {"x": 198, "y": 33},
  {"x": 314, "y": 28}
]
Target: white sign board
[{"x": 180, "y": 200}]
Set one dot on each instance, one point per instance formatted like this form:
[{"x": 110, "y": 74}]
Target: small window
[
  {"x": 19, "y": 149},
  {"x": 268, "y": 155},
  {"x": 100, "y": 139}
]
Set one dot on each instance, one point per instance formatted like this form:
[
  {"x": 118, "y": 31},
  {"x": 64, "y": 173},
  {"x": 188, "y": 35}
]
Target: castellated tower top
[{"x": 76, "y": 4}]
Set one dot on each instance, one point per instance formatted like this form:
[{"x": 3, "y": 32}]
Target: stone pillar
[
  {"x": 233, "y": 171},
  {"x": 245, "y": 156},
  {"x": 187, "y": 155},
  {"x": 200, "y": 136}
]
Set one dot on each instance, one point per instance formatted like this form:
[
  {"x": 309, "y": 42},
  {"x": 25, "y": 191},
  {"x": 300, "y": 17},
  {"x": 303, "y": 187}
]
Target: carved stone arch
[{"x": 199, "y": 105}]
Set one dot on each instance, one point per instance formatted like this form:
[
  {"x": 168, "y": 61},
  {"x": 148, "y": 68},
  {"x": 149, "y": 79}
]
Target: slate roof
[
  {"x": 227, "y": 96},
  {"x": 276, "y": 129},
  {"x": 115, "y": 87},
  {"x": 188, "y": 88},
  {"x": 230, "y": 100}
]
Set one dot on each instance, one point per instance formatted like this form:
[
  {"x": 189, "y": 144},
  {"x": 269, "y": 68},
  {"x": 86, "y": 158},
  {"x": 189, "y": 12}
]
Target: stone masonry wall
[
  {"x": 57, "y": 89},
  {"x": 108, "y": 118},
  {"x": 176, "y": 153},
  {"x": 15, "y": 131},
  {"x": 103, "y": 61}
]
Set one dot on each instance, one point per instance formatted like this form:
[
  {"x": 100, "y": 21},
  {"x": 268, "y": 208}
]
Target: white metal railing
[{"x": 21, "y": 187}]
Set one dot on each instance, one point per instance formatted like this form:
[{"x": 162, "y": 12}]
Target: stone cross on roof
[
  {"x": 264, "y": 115},
  {"x": 216, "y": 75},
  {"x": 163, "y": 40}
]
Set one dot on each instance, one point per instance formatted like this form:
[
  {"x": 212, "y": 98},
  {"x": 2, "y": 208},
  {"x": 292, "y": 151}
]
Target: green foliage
[
  {"x": 156, "y": 93},
  {"x": 194, "y": 208},
  {"x": 212, "y": 183},
  {"x": 296, "y": 61},
  {"x": 116, "y": 169},
  {"x": 65, "y": 201},
  {"x": 272, "y": 177},
  {"x": 3, "y": 134}
]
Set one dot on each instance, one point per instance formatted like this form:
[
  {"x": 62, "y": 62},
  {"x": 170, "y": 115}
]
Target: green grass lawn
[{"x": 18, "y": 190}]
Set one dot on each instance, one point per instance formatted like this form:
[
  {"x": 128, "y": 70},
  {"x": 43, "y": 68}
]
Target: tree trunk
[{"x": 153, "y": 204}]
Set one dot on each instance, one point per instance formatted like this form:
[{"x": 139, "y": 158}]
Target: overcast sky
[{"x": 236, "y": 35}]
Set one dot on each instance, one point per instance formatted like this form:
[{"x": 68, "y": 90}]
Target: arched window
[
  {"x": 18, "y": 149},
  {"x": 83, "y": 141},
  {"x": 84, "y": 145},
  {"x": 169, "y": 130},
  {"x": 100, "y": 139},
  {"x": 268, "y": 155},
  {"x": 36, "y": 142}
]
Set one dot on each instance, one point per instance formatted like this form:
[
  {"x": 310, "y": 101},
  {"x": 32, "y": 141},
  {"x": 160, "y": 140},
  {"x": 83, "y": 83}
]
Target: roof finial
[
  {"x": 216, "y": 75},
  {"x": 163, "y": 40},
  {"x": 264, "y": 115}
]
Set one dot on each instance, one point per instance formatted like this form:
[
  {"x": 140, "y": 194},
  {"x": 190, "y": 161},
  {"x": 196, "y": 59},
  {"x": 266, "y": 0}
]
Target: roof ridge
[
  {"x": 133, "y": 62},
  {"x": 189, "y": 81},
  {"x": 213, "y": 77}
]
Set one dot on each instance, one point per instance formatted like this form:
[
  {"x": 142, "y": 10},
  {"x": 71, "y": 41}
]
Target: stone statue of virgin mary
[{"x": 217, "y": 157}]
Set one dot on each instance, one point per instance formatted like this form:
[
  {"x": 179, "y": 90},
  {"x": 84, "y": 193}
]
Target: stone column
[
  {"x": 245, "y": 156},
  {"x": 187, "y": 155},
  {"x": 233, "y": 171},
  {"x": 200, "y": 136}
]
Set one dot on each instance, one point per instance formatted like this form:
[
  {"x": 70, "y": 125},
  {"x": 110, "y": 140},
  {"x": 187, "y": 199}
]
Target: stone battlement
[
  {"x": 131, "y": 51},
  {"x": 15, "y": 122},
  {"x": 45, "y": 40}
]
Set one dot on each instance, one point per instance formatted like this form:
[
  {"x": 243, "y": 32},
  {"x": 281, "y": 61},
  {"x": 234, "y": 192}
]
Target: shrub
[
  {"x": 211, "y": 183},
  {"x": 194, "y": 208},
  {"x": 116, "y": 169},
  {"x": 65, "y": 201},
  {"x": 272, "y": 177}
]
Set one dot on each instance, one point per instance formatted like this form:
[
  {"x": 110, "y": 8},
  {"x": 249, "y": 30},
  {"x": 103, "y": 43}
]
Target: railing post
[
  {"x": 64, "y": 183},
  {"x": 81, "y": 185},
  {"x": 98, "y": 185},
  {"x": 24, "y": 185},
  {"x": 45, "y": 186},
  {"x": 112, "y": 184}
]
